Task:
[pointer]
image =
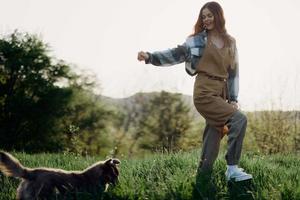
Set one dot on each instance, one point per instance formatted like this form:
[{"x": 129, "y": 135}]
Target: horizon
[{"x": 190, "y": 96}]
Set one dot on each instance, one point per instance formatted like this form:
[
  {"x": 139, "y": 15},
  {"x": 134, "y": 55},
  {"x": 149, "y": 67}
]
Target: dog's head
[{"x": 111, "y": 171}]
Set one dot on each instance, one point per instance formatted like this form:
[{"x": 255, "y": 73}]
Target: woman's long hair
[{"x": 219, "y": 21}]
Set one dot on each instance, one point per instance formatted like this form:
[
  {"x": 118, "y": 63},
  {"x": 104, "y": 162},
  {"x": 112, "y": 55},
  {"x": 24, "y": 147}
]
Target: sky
[{"x": 104, "y": 37}]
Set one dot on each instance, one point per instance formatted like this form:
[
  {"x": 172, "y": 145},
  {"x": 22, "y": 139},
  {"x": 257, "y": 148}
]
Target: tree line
[{"x": 47, "y": 106}]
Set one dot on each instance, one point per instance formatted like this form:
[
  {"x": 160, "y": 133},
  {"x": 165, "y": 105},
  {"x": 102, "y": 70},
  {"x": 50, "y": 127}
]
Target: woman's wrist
[{"x": 147, "y": 59}]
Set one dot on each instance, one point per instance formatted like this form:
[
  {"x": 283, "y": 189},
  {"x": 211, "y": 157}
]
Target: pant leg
[
  {"x": 204, "y": 188},
  {"x": 237, "y": 125},
  {"x": 210, "y": 147}
]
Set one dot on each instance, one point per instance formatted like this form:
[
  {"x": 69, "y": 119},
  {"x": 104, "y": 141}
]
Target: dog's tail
[{"x": 10, "y": 166}]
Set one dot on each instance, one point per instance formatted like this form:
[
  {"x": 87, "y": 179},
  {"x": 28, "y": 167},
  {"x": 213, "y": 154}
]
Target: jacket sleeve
[
  {"x": 233, "y": 79},
  {"x": 169, "y": 57}
]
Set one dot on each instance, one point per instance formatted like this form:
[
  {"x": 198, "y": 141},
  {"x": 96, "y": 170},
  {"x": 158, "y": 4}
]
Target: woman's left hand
[{"x": 235, "y": 105}]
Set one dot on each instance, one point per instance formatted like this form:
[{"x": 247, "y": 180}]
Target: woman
[{"x": 211, "y": 54}]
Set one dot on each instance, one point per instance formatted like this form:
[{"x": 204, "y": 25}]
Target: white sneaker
[{"x": 237, "y": 174}]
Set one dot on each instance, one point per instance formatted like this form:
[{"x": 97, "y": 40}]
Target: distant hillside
[
  {"x": 128, "y": 101},
  {"x": 122, "y": 103}
]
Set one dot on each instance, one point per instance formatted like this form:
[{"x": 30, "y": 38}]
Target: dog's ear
[
  {"x": 115, "y": 161},
  {"x": 107, "y": 161},
  {"x": 112, "y": 161}
]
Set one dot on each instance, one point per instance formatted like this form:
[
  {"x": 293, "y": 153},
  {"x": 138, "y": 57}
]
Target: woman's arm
[
  {"x": 166, "y": 58},
  {"x": 233, "y": 80},
  {"x": 233, "y": 84}
]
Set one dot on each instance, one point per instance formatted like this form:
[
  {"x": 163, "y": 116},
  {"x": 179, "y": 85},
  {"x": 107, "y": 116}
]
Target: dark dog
[{"x": 42, "y": 183}]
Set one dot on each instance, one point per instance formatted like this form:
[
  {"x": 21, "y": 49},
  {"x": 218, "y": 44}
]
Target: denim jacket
[{"x": 190, "y": 52}]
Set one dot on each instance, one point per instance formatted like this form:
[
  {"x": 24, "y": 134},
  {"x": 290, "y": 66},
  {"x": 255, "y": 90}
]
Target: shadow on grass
[
  {"x": 242, "y": 190},
  {"x": 205, "y": 189}
]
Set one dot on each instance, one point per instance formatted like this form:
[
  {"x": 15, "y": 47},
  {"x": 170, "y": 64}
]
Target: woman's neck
[{"x": 213, "y": 33}]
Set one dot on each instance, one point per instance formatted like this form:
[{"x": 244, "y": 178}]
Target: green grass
[{"x": 173, "y": 176}]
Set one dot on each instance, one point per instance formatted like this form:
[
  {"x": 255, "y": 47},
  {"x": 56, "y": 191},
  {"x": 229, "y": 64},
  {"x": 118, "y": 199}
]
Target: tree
[
  {"x": 87, "y": 130},
  {"x": 31, "y": 100},
  {"x": 2, "y": 77},
  {"x": 165, "y": 122}
]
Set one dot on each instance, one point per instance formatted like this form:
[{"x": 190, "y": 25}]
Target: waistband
[{"x": 217, "y": 78}]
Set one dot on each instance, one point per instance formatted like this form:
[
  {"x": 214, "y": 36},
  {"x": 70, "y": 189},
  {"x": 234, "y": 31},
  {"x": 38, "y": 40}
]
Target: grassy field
[{"x": 172, "y": 176}]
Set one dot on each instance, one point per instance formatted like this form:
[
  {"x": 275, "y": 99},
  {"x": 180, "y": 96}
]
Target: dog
[{"x": 44, "y": 183}]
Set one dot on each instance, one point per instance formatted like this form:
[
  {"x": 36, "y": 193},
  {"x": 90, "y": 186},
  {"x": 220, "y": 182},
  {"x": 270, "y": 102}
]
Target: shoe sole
[{"x": 243, "y": 178}]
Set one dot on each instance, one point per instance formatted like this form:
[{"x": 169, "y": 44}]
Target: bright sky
[{"x": 105, "y": 36}]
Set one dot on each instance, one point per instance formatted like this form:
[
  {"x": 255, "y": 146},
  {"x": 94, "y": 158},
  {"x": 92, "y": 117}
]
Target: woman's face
[{"x": 208, "y": 19}]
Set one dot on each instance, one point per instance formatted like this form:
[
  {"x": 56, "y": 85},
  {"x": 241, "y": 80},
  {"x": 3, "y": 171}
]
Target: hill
[{"x": 128, "y": 102}]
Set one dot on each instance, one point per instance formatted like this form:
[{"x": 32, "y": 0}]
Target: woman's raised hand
[{"x": 142, "y": 56}]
